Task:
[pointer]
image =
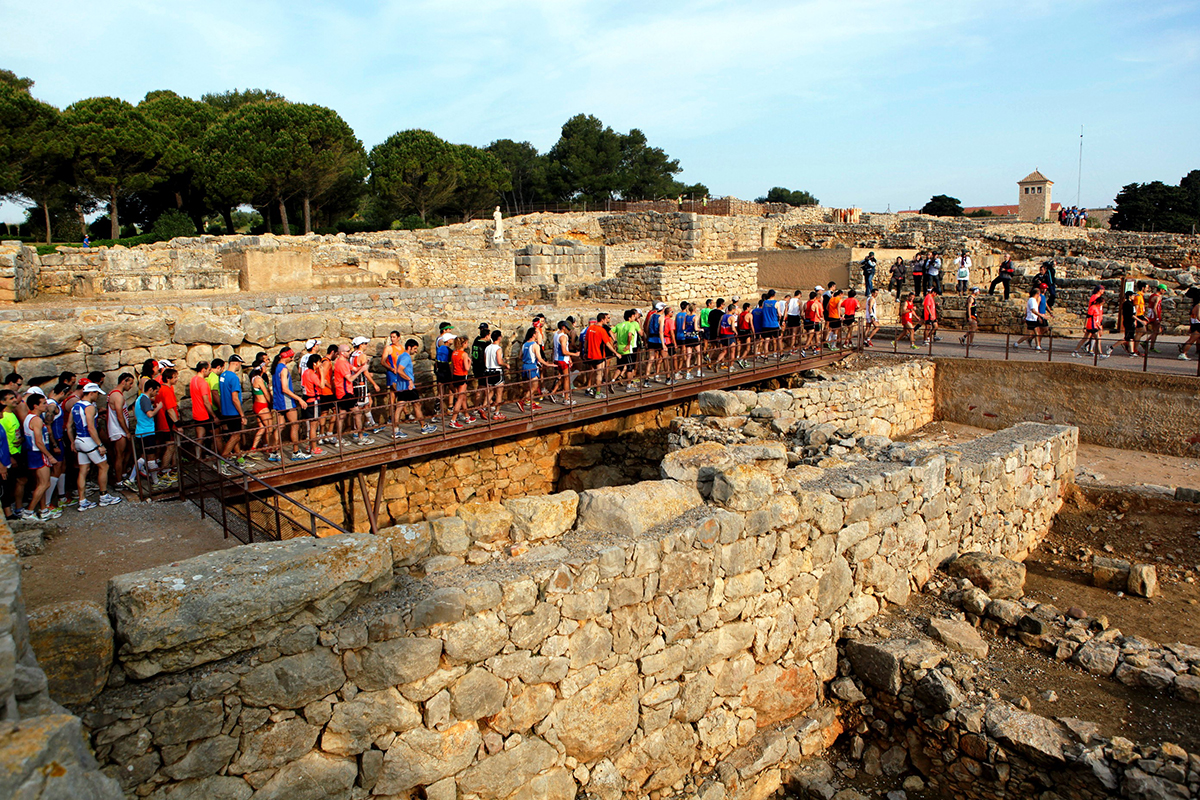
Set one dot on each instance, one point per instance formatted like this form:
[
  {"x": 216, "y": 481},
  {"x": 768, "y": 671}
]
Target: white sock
[{"x": 62, "y": 485}]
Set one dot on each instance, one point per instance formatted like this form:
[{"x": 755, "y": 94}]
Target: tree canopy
[
  {"x": 793, "y": 197},
  {"x": 943, "y": 205},
  {"x": 171, "y": 156},
  {"x": 1159, "y": 206}
]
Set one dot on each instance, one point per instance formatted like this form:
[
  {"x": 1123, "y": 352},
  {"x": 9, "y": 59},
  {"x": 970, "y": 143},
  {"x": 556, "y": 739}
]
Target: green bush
[
  {"x": 171, "y": 225},
  {"x": 412, "y": 222}
]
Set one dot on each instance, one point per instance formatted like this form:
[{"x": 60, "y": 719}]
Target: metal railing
[
  {"x": 246, "y": 508},
  {"x": 1111, "y": 351}
]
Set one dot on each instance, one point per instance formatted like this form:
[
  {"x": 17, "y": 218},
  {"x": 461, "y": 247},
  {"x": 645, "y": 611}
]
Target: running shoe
[
  {"x": 1039, "y": 348},
  {"x": 916, "y": 347},
  {"x": 399, "y": 435},
  {"x": 538, "y": 406},
  {"x": 1155, "y": 350},
  {"x": 110, "y": 499},
  {"x": 87, "y": 505},
  {"x": 316, "y": 451},
  {"x": 499, "y": 416},
  {"x": 365, "y": 440},
  {"x": 520, "y": 406},
  {"x": 427, "y": 429},
  {"x": 454, "y": 424},
  {"x": 1183, "y": 357},
  {"x": 42, "y": 516},
  {"x": 274, "y": 458},
  {"x": 1108, "y": 351},
  {"x": 962, "y": 340},
  {"x": 241, "y": 461},
  {"x": 300, "y": 455},
  {"x": 130, "y": 486},
  {"x": 597, "y": 395}
]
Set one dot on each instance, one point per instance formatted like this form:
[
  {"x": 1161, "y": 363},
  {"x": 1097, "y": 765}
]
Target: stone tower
[{"x": 1033, "y": 198}]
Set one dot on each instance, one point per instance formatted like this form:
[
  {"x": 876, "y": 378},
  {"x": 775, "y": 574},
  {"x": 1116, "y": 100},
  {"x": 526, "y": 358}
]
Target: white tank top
[{"x": 114, "y": 426}]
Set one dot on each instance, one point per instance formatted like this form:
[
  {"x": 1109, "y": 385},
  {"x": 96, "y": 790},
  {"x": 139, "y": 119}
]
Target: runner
[
  {"x": 670, "y": 354},
  {"x": 493, "y": 376},
  {"x": 745, "y": 333},
  {"x": 310, "y": 386},
  {"x": 201, "y": 396},
  {"x": 118, "y": 428},
  {"x": 360, "y": 364},
  {"x": 728, "y": 330},
  {"x": 39, "y": 459},
  {"x": 1154, "y": 315},
  {"x": 145, "y": 409},
  {"x": 287, "y": 404},
  {"x": 833, "y": 313},
  {"x": 794, "y": 322},
  {"x": 625, "y": 338},
  {"x": 871, "y": 320},
  {"x": 972, "y": 318},
  {"x": 908, "y": 319},
  {"x": 231, "y": 415},
  {"x": 328, "y": 401},
  {"x": 460, "y": 368},
  {"x": 929, "y": 315},
  {"x": 656, "y": 351},
  {"x": 1131, "y": 322},
  {"x": 599, "y": 349},
  {"x": 406, "y": 387},
  {"x": 690, "y": 340},
  {"x": 770, "y": 327},
  {"x": 16, "y": 472},
  {"x": 849, "y": 309},
  {"x": 347, "y": 400},
  {"x": 442, "y": 347},
  {"x": 164, "y": 426},
  {"x": 479, "y": 346},
  {"x": 531, "y": 370},
  {"x": 1193, "y": 331},
  {"x": 1033, "y": 319},
  {"x": 562, "y": 359},
  {"x": 85, "y": 441},
  {"x": 260, "y": 393}
]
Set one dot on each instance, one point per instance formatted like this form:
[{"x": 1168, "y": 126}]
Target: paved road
[{"x": 992, "y": 346}]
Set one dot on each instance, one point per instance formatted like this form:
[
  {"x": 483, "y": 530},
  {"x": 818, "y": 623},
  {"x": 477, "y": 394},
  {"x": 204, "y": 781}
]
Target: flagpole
[{"x": 1079, "y": 179}]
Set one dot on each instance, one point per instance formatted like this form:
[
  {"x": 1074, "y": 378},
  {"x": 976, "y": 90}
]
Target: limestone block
[
  {"x": 542, "y": 517},
  {"x": 421, "y": 757},
  {"x": 659, "y": 760},
  {"x": 1097, "y": 657},
  {"x": 1035, "y": 737},
  {"x": 47, "y": 757},
  {"x": 636, "y": 508},
  {"x": 1110, "y": 573},
  {"x": 475, "y": 638},
  {"x": 259, "y": 328},
  {"x": 940, "y": 692},
  {"x": 450, "y": 536},
  {"x": 410, "y": 542},
  {"x": 602, "y": 716},
  {"x": 778, "y": 694},
  {"x": 181, "y": 724},
  {"x": 879, "y": 663},
  {"x": 273, "y": 745},
  {"x": 996, "y": 575},
  {"x": 204, "y": 608},
  {"x": 74, "y": 645},
  {"x": 293, "y": 681},
  {"x": 38, "y": 339},
  {"x": 355, "y": 724},
  {"x": 770, "y": 457},
  {"x": 834, "y": 587},
  {"x": 1143, "y": 580},
  {"x": 203, "y": 758},
  {"x": 486, "y": 521},
  {"x": 959, "y": 636},
  {"x": 192, "y": 327},
  {"x": 216, "y": 787},
  {"x": 530, "y": 629},
  {"x": 477, "y": 694},
  {"x": 299, "y": 327},
  {"x": 525, "y": 710},
  {"x": 695, "y": 465},
  {"x": 741, "y": 487},
  {"x": 396, "y": 661},
  {"x": 109, "y": 337},
  {"x": 720, "y": 404},
  {"x": 500, "y": 775},
  {"x": 316, "y": 776}
]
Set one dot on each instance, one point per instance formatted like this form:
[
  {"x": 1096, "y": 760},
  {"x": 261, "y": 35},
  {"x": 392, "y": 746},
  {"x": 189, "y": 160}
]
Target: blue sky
[{"x": 875, "y": 103}]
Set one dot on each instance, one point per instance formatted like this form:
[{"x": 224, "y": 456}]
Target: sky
[{"x": 878, "y": 104}]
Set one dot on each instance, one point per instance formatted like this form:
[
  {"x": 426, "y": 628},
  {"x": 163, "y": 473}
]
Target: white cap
[
  {"x": 165, "y": 363},
  {"x": 34, "y": 390},
  {"x": 357, "y": 340},
  {"x": 311, "y": 343},
  {"x": 734, "y": 299},
  {"x": 91, "y": 387},
  {"x": 659, "y": 306},
  {"x": 818, "y": 288}
]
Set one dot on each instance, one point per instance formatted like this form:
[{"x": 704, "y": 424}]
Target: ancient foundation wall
[
  {"x": 43, "y": 751},
  {"x": 615, "y": 451},
  {"x": 674, "y": 281},
  {"x": 566, "y": 262},
  {"x": 1113, "y": 408},
  {"x": 620, "y": 641}
]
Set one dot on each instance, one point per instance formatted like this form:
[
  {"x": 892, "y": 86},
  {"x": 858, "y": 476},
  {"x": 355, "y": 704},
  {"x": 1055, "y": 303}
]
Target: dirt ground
[{"x": 84, "y": 550}]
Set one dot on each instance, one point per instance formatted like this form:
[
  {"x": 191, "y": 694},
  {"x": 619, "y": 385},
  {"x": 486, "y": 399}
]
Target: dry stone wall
[
  {"x": 618, "y": 641},
  {"x": 674, "y": 281},
  {"x": 43, "y": 751}
]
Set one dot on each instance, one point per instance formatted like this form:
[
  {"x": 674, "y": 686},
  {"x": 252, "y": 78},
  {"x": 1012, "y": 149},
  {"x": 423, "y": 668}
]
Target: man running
[
  {"x": 493, "y": 377},
  {"x": 625, "y": 339},
  {"x": 599, "y": 348},
  {"x": 118, "y": 428},
  {"x": 1033, "y": 319},
  {"x": 202, "y": 406}
]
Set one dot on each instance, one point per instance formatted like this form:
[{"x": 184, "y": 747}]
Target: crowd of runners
[{"x": 68, "y": 437}]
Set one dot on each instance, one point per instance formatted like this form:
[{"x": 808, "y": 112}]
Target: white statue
[{"x": 498, "y": 234}]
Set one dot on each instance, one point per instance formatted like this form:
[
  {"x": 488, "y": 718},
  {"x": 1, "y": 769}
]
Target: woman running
[{"x": 261, "y": 394}]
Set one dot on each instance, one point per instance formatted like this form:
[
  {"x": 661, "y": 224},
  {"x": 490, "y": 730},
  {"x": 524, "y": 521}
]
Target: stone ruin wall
[
  {"x": 620, "y": 640},
  {"x": 673, "y": 282},
  {"x": 614, "y": 451},
  {"x": 43, "y": 750}
]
